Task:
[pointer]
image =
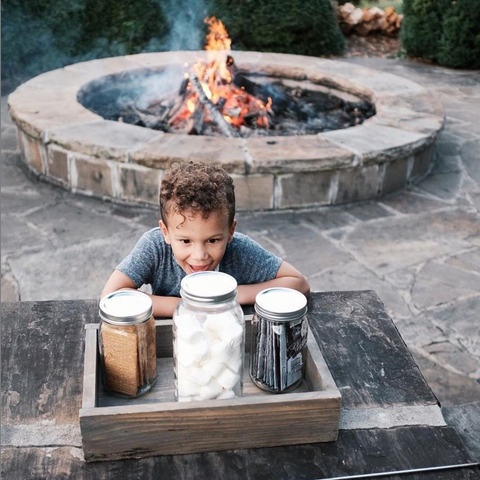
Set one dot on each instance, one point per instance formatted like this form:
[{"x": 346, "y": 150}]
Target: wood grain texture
[
  {"x": 368, "y": 358},
  {"x": 90, "y": 370},
  {"x": 178, "y": 429},
  {"x": 156, "y": 425},
  {"x": 42, "y": 374},
  {"x": 42, "y": 359},
  {"x": 355, "y": 452}
]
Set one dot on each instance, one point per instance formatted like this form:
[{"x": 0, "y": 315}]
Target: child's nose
[{"x": 199, "y": 252}]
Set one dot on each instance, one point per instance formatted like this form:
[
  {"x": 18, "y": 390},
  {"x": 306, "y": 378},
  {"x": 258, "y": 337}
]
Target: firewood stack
[{"x": 362, "y": 21}]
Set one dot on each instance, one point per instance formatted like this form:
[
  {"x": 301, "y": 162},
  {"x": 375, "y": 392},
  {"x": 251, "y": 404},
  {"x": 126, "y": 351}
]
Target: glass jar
[
  {"x": 279, "y": 339},
  {"x": 208, "y": 338},
  {"x": 127, "y": 343}
]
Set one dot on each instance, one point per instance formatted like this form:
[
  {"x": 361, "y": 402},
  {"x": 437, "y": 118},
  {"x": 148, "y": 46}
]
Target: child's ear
[
  {"x": 164, "y": 229},
  {"x": 232, "y": 231}
]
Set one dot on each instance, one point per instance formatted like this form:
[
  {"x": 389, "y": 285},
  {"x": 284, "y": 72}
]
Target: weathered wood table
[{"x": 390, "y": 419}]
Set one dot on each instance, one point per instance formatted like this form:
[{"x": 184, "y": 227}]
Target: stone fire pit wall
[{"x": 68, "y": 145}]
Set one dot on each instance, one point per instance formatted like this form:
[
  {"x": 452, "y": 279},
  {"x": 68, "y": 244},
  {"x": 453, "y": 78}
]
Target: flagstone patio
[{"x": 419, "y": 249}]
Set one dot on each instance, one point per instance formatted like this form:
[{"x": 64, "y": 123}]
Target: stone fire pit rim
[{"x": 46, "y": 110}]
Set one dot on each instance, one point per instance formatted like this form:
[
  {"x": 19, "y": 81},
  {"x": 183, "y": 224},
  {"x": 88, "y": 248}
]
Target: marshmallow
[
  {"x": 211, "y": 390},
  {"x": 199, "y": 376},
  {"x": 183, "y": 372},
  {"x": 213, "y": 368},
  {"x": 234, "y": 364},
  {"x": 228, "y": 379},
  {"x": 233, "y": 334},
  {"x": 188, "y": 328},
  {"x": 222, "y": 351},
  {"x": 184, "y": 354},
  {"x": 226, "y": 394},
  {"x": 187, "y": 389},
  {"x": 185, "y": 399},
  {"x": 200, "y": 351},
  {"x": 217, "y": 324}
]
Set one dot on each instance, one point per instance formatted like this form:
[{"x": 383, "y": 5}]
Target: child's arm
[
  {"x": 287, "y": 276},
  {"x": 162, "y": 306}
]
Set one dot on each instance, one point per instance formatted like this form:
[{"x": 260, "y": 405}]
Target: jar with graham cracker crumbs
[{"x": 127, "y": 343}]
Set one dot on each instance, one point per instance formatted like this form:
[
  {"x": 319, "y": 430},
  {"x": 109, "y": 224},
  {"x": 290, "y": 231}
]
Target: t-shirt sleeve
[
  {"x": 141, "y": 263},
  {"x": 249, "y": 263}
]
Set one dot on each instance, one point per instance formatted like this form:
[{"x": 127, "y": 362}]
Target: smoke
[{"x": 185, "y": 24}]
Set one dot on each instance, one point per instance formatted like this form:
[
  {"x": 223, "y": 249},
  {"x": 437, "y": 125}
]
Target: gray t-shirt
[{"x": 152, "y": 262}]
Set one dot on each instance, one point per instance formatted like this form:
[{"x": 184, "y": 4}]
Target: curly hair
[{"x": 197, "y": 188}]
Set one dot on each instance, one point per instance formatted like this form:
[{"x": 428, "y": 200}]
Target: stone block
[
  {"x": 104, "y": 139},
  {"x": 395, "y": 175},
  {"x": 377, "y": 143},
  {"x": 57, "y": 164},
  {"x": 359, "y": 183},
  {"x": 420, "y": 102},
  {"x": 296, "y": 154},
  {"x": 139, "y": 184},
  {"x": 422, "y": 160},
  {"x": 227, "y": 153},
  {"x": 253, "y": 192},
  {"x": 33, "y": 154},
  {"x": 303, "y": 189},
  {"x": 92, "y": 175},
  {"x": 36, "y": 111},
  {"x": 388, "y": 84}
]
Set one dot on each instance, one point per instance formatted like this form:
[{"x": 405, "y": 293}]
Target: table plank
[
  {"x": 42, "y": 359},
  {"x": 355, "y": 452},
  {"x": 368, "y": 358}
]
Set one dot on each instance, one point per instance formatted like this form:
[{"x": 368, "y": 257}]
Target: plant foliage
[
  {"x": 443, "y": 31},
  {"x": 43, "y": 35}
]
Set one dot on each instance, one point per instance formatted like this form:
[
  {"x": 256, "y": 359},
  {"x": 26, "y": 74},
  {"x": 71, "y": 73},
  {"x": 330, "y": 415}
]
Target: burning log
[
  {"x": 196, "y": 122},
  {"x": 150, "y": 121},
  {"x": 213, "y": 111}
]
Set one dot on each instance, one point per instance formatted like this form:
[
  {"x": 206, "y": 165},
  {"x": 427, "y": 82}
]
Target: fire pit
[
  {"x": 217, "y": 98},
  {"x": 296, "y": 131}
]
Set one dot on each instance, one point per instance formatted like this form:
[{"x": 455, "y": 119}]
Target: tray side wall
[
  {"x": 90, "y": 369},
  {"x": 304, "y": 418}
]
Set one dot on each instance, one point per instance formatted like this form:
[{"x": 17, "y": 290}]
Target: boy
[{"x": 197, "y": 233}]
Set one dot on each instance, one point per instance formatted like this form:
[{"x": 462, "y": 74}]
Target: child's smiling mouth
[{"x": 198, "y": 268}]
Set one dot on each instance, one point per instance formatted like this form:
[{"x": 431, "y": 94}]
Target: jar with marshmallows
[{"x": 208, "y": 338}]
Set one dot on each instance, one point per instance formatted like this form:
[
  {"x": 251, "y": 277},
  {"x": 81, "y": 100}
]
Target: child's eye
[
  {"x": 185, "y": 241},
  {"x": 213, "y": 240}
]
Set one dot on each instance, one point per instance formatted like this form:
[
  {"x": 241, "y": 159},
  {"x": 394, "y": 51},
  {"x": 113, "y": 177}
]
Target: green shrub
[
  {"x": 443, "y": 31},
  {"x": 38, "y": 36},
  {"x": 305, "y": 27},
  {"x": 460, "y": 43}
]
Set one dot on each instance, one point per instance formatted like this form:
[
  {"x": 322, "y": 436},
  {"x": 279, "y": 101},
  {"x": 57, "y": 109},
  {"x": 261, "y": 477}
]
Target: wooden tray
[{"x": 154, "y": 424}]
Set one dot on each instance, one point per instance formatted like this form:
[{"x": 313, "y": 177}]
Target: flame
[
  {"x": 191, "y": 105},
  {"x": 217, "y": 38},
  {"x": 216, "y": 80}
]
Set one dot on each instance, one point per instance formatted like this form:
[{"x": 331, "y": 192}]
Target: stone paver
[{"x": 418, "y": 249}]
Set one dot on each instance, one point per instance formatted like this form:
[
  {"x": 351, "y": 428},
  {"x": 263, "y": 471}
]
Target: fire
[
  {"x": 220, "y": 95},
  {"x": 217, "y": 38}
]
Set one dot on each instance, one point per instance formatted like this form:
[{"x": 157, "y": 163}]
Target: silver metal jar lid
[
  {"x": 126, "y": 307},
  {"x": 281, "y": 304},
  {"x": 208, "y": 288}
]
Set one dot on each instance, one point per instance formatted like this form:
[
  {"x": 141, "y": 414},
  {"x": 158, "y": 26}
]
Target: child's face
[{"x": 198, "y": 243}]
